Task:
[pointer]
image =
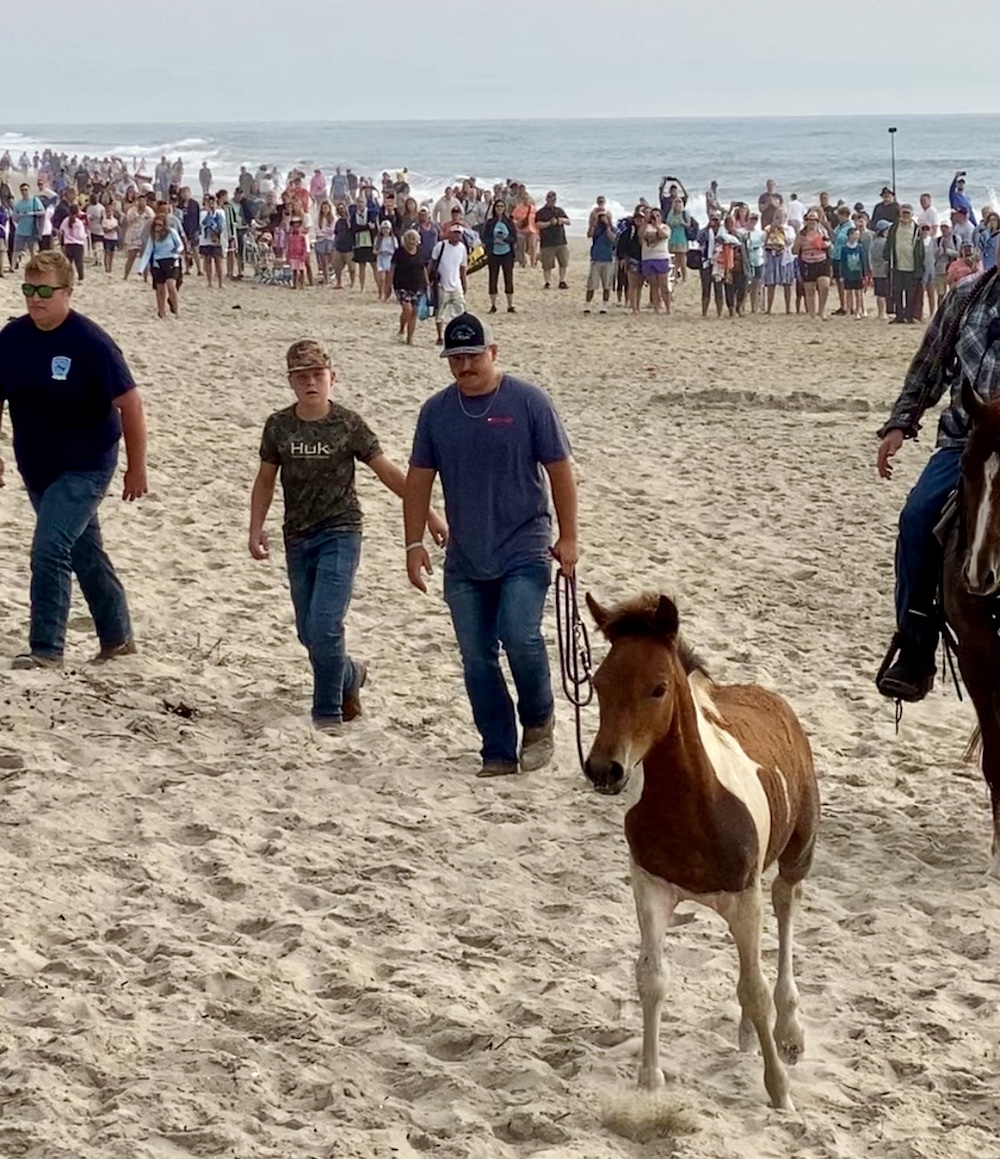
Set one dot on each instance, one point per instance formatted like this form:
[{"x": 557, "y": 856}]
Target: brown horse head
[
  {"x": 636, "y": 685},
  {"x": 981, "y": 494}
]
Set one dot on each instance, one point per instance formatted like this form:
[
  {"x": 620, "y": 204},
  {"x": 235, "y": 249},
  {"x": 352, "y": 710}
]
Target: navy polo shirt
[{"x": 60, "y": 386}]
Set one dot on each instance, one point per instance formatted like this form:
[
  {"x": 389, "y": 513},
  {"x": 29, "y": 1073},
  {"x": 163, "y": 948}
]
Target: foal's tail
[{"x": 973, "y": 754}]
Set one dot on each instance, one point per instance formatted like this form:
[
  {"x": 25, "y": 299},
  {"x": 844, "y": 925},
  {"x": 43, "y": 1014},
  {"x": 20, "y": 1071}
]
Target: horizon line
[{"x": 898, "y": 116}]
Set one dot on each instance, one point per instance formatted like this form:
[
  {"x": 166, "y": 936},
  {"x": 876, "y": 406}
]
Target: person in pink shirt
[
  {"x": 297, "y": 196},
  {"x": 297, "y": 251},
  {"x": 317, "y": 186},
  {"x": 73, "y": 238},
  {"x": 969, "y": 264}
]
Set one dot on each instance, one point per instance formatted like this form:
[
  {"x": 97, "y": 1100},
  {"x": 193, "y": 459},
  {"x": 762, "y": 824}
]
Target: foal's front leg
[
  {"x": 655, "y": 902},
  {"x": 744, "y": 913}
]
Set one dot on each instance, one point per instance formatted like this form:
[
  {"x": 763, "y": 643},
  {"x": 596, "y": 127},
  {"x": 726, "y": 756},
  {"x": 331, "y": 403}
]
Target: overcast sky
[{"x": 192, "y": 60}]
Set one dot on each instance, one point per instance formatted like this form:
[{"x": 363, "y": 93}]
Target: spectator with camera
[{"x": 603, "y": 239}]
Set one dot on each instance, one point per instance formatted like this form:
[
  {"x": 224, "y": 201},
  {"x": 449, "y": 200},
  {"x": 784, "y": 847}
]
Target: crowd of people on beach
[
  {"x": 313, "y": 230},
  {"x": 55, "y": 358}
]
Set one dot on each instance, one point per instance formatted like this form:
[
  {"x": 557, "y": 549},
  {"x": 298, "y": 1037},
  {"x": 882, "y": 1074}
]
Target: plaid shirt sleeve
[{"x": 924, "y": 384}]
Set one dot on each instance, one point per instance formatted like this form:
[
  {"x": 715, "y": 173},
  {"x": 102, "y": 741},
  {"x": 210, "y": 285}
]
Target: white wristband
[{"x": 411, "y": 546}]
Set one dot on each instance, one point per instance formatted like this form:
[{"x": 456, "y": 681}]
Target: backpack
[{"x": 437, "y": 253}]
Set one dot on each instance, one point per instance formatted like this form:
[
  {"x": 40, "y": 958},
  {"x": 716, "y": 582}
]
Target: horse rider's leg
[
  {"x": 788, "y": 1033},
  {"x": 655, "y": 902},
  {"x": 744, "y": 913},
  {"x": 918, "y": 567}
]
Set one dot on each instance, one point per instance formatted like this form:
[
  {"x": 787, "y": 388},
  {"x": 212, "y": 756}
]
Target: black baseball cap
[{"x": 466, "y": 335}]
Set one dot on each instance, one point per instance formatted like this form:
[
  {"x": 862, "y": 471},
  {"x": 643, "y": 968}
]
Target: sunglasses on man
[{"x": 28, "y": 289}]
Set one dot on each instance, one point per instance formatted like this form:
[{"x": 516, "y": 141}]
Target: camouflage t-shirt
[{"x": 317, "y": 467}]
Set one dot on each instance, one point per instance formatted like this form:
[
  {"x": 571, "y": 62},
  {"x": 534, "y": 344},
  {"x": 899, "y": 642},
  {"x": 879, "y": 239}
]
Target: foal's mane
[{"x": 638, "y": 617}]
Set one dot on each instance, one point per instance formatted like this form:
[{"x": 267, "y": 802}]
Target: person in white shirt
[
  {"x": 928, "y": 215},
  {"x": 796, "y": 213},
  {"x": 444, "y": 205},
  {"x": 449, "y": 265},
  {"x": 962, "y": 230}
]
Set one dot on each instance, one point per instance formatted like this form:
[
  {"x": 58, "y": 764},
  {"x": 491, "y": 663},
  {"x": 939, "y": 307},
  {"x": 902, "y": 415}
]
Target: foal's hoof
[
  {"x": 651, "y": 1078},
  {"x": 790, "y": 1041}
]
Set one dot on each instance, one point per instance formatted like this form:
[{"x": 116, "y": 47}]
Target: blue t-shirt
[
  {"x": 501, "y": 239},
  {"x": 491, "y": 471},
  {"x": 852, "y": 261},
  {"x": 602, "y": 247},
  {"x": 28, "y": 212},
  {"x": 60, "y": 386}
]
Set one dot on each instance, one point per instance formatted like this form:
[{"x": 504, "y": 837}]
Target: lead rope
[{"x": 575, "y": 660}]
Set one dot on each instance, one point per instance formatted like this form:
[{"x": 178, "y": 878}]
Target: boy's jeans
[
  {"x": 508, "y": 611},
  {"x": 67, "y": 540},
  {"x": 321, "y": 571}
]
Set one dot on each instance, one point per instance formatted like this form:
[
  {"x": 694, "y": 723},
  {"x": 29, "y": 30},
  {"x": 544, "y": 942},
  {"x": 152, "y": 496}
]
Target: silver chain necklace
[{"x": 483, "y": 413}]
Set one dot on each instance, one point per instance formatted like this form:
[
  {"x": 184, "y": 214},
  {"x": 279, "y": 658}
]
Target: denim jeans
[
  {"x": 67, "y": 540},
  {"x": 918, "y": 558},
  {"x": 321, "y": 571},
  {"x": 508, "y": 611}
]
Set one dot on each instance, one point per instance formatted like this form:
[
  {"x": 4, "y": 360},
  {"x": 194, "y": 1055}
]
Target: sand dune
[{"x": 225, "y": 935}]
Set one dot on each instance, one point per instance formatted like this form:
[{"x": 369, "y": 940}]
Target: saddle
[{"x": 948, "y": 520}]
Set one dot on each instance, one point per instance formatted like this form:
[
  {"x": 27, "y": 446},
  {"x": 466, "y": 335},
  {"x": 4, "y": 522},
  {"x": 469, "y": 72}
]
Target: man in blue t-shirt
[
  {"x": 493, "y": 440},
  {"x": 29, "y": 215},
  {"x": 603, "y": 239},
  {"x": 71, "y": 396}
]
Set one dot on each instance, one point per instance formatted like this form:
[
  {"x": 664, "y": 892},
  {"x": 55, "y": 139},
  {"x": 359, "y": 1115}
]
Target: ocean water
[{"x": 624, "y": 159}]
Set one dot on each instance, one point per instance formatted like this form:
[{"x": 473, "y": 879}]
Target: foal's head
[
  {"x": 637, "y": 685},
  {"x": 981, "y": 495}
]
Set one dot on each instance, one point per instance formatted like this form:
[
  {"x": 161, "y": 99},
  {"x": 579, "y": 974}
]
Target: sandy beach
[{"x": 224, "y": 934}]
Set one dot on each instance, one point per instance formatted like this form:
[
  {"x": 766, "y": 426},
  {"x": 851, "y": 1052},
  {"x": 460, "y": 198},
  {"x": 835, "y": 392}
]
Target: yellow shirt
[{"x": 907, "y": 237}]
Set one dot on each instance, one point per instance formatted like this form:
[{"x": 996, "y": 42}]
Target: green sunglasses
[{"x": 44, "y": 292}]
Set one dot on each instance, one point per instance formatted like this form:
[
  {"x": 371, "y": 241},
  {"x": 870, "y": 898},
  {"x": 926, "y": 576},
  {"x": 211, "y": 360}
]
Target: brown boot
[
  {"x": 113, "y": 651},
  {"x": 352, "y": 699},
  {"x": 537, "y": 746}
]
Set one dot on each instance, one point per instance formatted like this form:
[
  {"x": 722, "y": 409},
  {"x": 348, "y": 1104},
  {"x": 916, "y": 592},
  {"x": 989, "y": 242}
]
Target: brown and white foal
[{"x": 728, "y": 788}]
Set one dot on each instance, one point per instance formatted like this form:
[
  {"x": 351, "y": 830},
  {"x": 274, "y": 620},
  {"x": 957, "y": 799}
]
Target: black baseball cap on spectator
[{"x": 466, "y": 334}]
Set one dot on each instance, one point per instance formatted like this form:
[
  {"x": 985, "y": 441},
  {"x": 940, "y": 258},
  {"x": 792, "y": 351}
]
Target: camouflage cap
[{"x": 307, "y": 354}]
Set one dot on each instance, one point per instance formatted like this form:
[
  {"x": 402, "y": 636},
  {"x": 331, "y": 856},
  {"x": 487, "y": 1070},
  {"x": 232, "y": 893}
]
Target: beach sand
[{"x": 225, "y": 935}]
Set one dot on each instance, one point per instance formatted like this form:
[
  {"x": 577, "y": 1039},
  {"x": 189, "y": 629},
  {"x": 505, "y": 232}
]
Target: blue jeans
[
  {"x": 67, "y": 540},
  {"x": 918, "y": 558},
  {"x": 508, "y": 611},
  {"x": 321, "y": 571}
]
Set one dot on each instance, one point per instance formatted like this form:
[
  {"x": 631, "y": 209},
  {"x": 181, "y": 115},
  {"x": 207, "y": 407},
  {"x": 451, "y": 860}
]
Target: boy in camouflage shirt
[{"x": 314, "y": 444}]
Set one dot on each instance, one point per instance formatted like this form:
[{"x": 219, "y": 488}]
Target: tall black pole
[{"x": 892, "y": 150}]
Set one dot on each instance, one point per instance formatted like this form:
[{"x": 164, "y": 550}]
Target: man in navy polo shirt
[
  {"x": 70, "y": 396},
  {"x": 493, "y": 439}
]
